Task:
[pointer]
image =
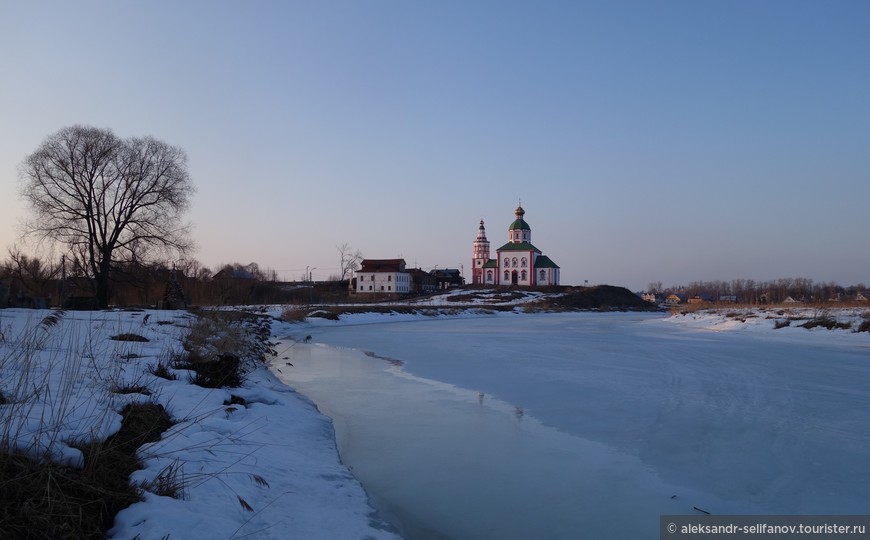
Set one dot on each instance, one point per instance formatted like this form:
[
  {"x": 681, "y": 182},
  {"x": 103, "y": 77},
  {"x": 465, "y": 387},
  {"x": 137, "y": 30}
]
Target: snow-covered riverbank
[{"x": 258, "y": 461}]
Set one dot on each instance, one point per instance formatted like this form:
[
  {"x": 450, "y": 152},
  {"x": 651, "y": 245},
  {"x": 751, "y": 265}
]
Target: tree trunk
[{"x": 103, "y": 282}]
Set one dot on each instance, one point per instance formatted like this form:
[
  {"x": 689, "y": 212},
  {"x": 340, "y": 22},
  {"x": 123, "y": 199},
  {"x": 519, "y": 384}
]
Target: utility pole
[{"x": 310, "y": 284}]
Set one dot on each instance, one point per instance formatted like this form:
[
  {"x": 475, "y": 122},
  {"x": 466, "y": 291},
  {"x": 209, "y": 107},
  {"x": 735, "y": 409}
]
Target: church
[{"x": 516, "y": 263}]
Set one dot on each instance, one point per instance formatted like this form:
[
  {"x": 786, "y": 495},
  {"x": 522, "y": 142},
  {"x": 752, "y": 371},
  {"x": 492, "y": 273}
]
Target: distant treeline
[
  {"x": 748, "y": 291},
  {"x": 28, "y": 281}
]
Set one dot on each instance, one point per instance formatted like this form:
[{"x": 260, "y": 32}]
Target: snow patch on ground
[
  {"x": 265, "y": 466},
  {"x": 775, "y": 321}
]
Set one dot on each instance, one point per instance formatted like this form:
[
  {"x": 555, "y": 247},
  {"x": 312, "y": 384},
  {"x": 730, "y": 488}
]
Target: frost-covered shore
[
  {"x": 254, "y": 461},
  {"x": 781, "y": 320}
]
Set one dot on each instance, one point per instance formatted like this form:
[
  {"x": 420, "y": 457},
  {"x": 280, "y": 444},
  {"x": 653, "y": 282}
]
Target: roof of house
[
  {"x": 446, "y": 272},
  {"x": 234, "y": 273},
  {"x": 492, "y": 263},
  {"x": 382, "y": 265},
  {"x": 545, "y": 262},
  {"x": 520, "y": 246}
]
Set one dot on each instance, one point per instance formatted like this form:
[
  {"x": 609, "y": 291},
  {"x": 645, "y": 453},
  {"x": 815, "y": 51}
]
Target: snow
[
  {"x": 479, "y": 424},
  {"x": 479, "y": 297},
  {"x": 276, "y": 452},
  {"x": 514, "y": 426}
]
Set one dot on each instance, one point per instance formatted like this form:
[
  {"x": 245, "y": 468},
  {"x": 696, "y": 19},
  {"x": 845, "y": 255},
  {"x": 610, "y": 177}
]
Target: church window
[
  {"x": 514, "y": 262},
  {"x": 543, "y": 275},
  {"x": 489, "y": 275},
  {"x": 507, "y": 275},
  {"x": 525, "y": 262},
  {"x": 507, "y": 262},
  {"x": 523, "y": 276}
]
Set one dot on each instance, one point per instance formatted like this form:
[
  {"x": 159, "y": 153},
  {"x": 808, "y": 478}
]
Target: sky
[{"x": 648, "y": 141}]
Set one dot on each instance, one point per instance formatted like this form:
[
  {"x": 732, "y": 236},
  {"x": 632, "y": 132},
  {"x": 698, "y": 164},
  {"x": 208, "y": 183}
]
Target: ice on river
[{"x": 559, "y": 425}]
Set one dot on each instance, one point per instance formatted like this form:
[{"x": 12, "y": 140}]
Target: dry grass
[
  {"x": 213, "y": 344},
  {"x": 826, "y": 321},
  {"x": 40, "y": 499},
  {"x": 217, "y": 343},
  {"x": 136, "y": 338},
  {"x": 294, "y": 314},
  {"x": 43, "y": 499},
  {"x": 161, "y": 369}
]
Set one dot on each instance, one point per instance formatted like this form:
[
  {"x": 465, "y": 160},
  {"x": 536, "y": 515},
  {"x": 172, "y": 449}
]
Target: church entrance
[{"x": 514, "y": 278}]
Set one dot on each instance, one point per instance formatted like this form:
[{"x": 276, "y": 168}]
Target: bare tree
[
  {"x": 350, "y": 260},
  {"x": 30, "y": 275},
  {"x": 107, "y": 199}
]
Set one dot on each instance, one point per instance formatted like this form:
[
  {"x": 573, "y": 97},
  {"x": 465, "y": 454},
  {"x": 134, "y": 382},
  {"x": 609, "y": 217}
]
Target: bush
[
  {"x": 826, "y": 321},
  {"x": 215, "y": 345},
  {"x": 781, "y": 324},
  {"x": 225, "y": 370}
]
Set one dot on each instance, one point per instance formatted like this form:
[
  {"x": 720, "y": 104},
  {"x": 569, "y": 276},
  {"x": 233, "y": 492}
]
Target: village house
[
  {"x": 674, "y": 299},
  {"x": 379, "y": 276},
  {"x": 422, "y": 282},
  {"x": 448, "y": 277}
]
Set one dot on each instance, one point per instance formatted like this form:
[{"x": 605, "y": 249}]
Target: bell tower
[{"x": 480, "y": 255}]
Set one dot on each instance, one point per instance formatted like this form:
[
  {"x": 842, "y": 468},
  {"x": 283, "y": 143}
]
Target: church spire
[
  {"x": 481, "y": 232},
  {"x": 480, "y": 254}
]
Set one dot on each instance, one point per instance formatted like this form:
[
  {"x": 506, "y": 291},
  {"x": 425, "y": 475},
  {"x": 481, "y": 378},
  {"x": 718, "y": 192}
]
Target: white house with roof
[
  {"x": 383, "y": 276},
  {"x": 518, "y": 262}
]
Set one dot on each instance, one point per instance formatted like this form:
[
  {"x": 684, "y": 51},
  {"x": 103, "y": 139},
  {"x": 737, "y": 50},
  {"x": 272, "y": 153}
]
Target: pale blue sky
[{"x": 649, "y": 141}]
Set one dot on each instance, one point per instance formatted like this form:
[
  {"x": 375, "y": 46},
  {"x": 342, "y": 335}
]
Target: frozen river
[{"x": 588, "y": 425}]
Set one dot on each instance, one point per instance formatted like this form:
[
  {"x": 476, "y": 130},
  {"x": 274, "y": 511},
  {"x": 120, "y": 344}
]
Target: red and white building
[{"x": 518, "y": 262}]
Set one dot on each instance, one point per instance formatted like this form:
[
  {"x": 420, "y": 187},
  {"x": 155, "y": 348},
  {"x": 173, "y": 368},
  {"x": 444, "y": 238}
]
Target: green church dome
[{"x": 519, "y": 223}]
